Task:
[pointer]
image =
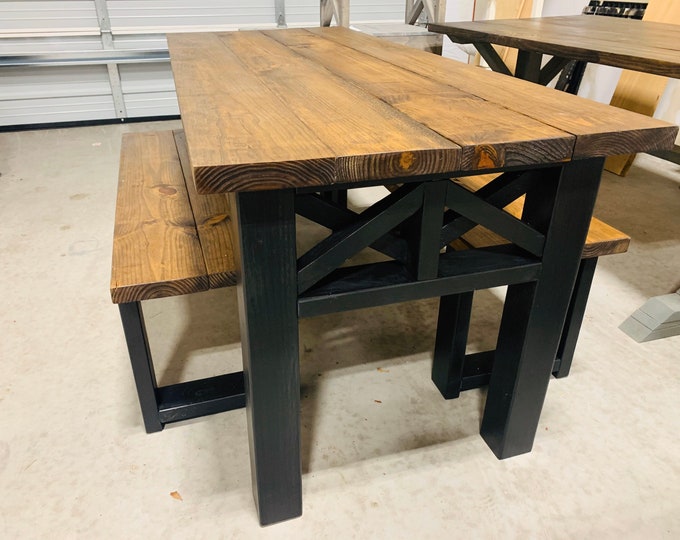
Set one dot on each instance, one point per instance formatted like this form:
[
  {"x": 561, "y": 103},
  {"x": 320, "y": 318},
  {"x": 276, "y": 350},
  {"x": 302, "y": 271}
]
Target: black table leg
[
  {"x": 528, "y": 66},
  {"x": 535, "y": 312},
  {"x": 571, "y": 77},
  {"x": 453, "y": 325},
  {"x": 267, "y": 297},
  {"x": 577, "y": 309}
]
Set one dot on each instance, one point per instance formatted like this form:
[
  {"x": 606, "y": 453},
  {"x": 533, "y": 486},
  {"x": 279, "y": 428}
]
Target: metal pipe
[{"x": 84, "y": 58}]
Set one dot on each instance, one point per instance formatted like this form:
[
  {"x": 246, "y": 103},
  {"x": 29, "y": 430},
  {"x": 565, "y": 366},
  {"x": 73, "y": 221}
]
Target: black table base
[
  {"x": 547, "y": 288},
  {"x": 275, "y": 288}
]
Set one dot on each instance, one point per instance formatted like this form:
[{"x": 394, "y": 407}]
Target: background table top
[
  {"x": 313, "y": 107},
  {"x": 627, "y": 43}
]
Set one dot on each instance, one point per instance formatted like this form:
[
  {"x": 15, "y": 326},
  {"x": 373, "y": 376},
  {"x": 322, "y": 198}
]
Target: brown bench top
[
  {"x": 212, "y": 216},
  {"x": 602, "y": 239},
  {"x": 167, "y": 240}
]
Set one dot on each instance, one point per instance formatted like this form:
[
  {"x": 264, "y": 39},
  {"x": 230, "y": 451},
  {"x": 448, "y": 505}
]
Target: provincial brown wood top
[
  {"x": 627, "y": 43},
  {"x": 168, "y": 240},
  {"x": 156, "y": 250},
  {"x": 313, "y": 107}
]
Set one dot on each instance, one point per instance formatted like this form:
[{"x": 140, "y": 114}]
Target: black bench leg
[
  {"x": 267, "y": 296},
  {"x": 534, "y": 313},
  {"x": 142, "y": 365},
  {"x": 453, "y": 324},
  {"x": 577, "y": 309}
]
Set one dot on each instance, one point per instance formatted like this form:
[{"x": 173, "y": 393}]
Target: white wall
[
  {"x": 554, "y": 8},
  {"x": 458, "y": 10},
  {"x": 36, "y": 95}
]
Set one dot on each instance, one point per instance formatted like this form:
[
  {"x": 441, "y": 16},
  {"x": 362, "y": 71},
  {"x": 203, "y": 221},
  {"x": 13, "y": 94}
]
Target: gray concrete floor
[{"x": 383, "y": 455}]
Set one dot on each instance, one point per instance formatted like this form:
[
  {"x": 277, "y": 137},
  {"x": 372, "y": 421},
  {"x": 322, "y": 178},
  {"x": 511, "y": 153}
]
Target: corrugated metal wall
[{"x": 52, "y": 94}]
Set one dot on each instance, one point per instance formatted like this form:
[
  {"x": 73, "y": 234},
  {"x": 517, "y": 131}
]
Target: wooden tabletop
[
  {"x": 627, "y": 43},
  {"x": 312, "y": 107}
]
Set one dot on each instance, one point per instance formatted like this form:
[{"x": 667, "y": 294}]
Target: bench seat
[
  {"x": 168, "y": 240},
  {"x": 602, "y": 239}
]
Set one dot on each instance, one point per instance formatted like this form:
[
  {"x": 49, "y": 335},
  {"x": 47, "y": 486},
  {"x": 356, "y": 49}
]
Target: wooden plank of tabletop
[
  {"x": 281, "y": 121},
  {"x": 491, "y": 136},
  {"x": 369, "y": 137},
  {"x": 638, "y": 45},
  {"x": 213, "y": 85},
  {"x": 652, "y": 48},
  {"x": 652, "y": 35},
  {"x": 600, "y": 130}
]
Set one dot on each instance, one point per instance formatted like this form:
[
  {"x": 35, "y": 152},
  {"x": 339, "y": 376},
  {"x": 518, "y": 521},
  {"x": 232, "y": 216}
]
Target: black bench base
[
  {"x": 174, "y": 403},
  {"x": 194, "y": 399}
]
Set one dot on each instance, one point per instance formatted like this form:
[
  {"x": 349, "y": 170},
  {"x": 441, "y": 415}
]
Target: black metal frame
[{"x": 411, "y": 225}]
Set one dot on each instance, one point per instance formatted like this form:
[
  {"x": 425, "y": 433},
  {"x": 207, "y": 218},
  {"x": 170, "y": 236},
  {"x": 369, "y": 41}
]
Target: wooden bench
[
  {"x": 168, "y": 241},
  {"x": 453, "y": 371}
]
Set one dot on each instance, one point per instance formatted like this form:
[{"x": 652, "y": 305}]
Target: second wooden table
[{"x": 626, "y": 43}]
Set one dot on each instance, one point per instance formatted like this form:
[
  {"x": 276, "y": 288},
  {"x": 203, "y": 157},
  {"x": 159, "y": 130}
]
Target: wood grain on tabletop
[
  {"x": 614, "y": 41},
  {"x": 213, "y": 85},
  {"x": 602, "y": 238},
  {"x": 261, "y": 115},
  {"x": 640, "y": 92},
  {"x": 212, "y": 216},
  {"x": 156, "y": 251},
  {"x": 490, "y": 136},
  {"x": 289, "y": 124},
  {"x": 363, "y": 140},
  {"x": 600, "y": 130}
]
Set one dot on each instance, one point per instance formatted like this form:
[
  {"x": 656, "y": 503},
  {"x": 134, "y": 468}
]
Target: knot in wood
[
  {"x": 167, "y": 190},
  {"x": 216, "y": 219},
  {"x": 406, "y": 160},
  {"x": 486, "y": 157}
]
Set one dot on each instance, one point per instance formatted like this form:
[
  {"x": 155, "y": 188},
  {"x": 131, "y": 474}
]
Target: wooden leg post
[
  {"x": 528, "y": 66},
  {"x": 577, "y": 309},
  {"x": 535, "y": 312},
  {"x": 449, "y": 350},
  {"x": 267, "y": 297}
]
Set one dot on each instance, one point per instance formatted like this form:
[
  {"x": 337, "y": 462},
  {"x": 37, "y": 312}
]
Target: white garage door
[{"x": 85, "y": 60}]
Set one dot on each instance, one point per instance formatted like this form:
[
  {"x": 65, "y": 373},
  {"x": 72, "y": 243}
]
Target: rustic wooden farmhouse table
[
  {"x": 649, "y": 47},
  {"x": 276, "y": 119}
]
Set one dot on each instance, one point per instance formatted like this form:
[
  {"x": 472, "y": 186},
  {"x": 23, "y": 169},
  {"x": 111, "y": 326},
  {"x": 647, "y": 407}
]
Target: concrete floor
[{"x": 383, "y": 455}]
